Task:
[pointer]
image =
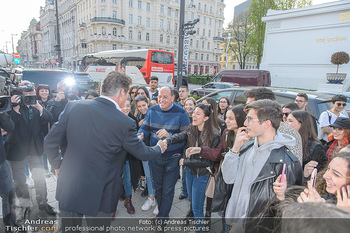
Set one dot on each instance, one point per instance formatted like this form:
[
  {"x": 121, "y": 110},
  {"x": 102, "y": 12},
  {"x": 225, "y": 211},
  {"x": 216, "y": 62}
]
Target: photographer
[
  {"x": 56, "y": 105},
  {"x": 24, "y": 145}
]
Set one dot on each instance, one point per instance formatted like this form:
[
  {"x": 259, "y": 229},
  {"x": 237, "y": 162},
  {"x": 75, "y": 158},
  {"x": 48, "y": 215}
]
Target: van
[{"x": 259, "y": 78}]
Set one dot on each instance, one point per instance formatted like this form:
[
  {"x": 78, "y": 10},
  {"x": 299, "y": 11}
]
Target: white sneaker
[
  {"x": 148, "y": 204},
  {"x": 30, "y": 182},
  {"x": 156, "y": 211}
]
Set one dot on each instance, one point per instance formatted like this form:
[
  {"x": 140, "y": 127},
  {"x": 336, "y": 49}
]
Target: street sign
[
  {"x": 57, "y": 60},
  {"x": 17, "y": 60},
  {"x": 16, "y": 55}
]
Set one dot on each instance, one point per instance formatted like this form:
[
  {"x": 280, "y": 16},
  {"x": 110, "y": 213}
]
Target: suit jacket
[
  {"x": 98, "y": 137},
  {"x": 18, "y": 141}
]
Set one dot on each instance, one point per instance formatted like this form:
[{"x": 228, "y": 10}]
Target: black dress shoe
[
  {"x": 49, "y": 210},
  {"x": 182, "y": 197}
]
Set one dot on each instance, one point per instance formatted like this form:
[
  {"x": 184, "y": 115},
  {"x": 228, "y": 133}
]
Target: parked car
[
  {"x": 84, "y": 81},
  {"x": 245, "y": 77},
  {"x": 212, "y": 87},
  {"x": 318, "y": 102}
]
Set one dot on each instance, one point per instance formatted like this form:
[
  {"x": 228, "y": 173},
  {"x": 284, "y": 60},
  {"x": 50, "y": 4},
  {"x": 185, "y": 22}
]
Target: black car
[
  {"x": 84, "y": 81},
  {"x": 318, "y": 102}
]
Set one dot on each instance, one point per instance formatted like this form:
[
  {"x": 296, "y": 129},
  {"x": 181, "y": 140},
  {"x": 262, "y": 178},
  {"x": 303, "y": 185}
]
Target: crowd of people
[{"x": 248, "y": 161}]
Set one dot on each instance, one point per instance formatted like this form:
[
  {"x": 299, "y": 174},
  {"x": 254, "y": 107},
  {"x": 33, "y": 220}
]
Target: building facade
[
  {"x": 48, "y": 33},
  {"x": 153, "y": 24}
]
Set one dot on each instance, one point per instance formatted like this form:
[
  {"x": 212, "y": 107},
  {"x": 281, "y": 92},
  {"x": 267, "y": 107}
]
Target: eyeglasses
[
  {"x": 133, "y": 92},
  {"x": 286, "y": 114},
  {"x": 223, "y": 102},
  {"x": 250, "y": 119},
  {"x": 139, "y": 96},
  {"x": 341, "y": 104}
]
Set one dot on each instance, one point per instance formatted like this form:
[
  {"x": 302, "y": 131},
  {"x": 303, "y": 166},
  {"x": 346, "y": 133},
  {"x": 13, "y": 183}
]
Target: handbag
[{"x": 221, "y": 191}]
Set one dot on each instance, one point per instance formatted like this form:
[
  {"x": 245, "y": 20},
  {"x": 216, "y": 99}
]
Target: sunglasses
[
  {"x": 139, "y": 96},
  {"x": 341, "y": 104},
  {"x": 286, "y": 114},
  {"x": 133, "y": 92}
]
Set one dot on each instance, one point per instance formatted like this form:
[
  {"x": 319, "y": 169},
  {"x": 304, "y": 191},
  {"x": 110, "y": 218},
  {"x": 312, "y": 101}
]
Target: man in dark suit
[
  {"x": 98, "y": 137},
  {"x": 24, "y": 145}
]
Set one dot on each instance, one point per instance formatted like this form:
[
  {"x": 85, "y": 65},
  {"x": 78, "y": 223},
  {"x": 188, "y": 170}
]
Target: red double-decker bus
[{"x": 140, "y": 63}]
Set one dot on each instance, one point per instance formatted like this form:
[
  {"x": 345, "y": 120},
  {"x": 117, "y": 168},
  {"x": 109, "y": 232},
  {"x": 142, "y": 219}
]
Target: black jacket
[
  {"x": 261, "y": 191},
  {"x": 197, "y": 164},
  {"x": 27, "y": 137},
  {"x": 318, "y": 154},
  {"x": 55, "y": 108},
  {"x": 7, "y": 124}
]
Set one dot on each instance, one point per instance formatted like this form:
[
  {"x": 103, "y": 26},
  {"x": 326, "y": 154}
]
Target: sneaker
[
  {"x": 143, "y": 184},
  {"x": 49, "y": 210},
  {"x": 30, "y": 182},
  {"x": 156, "y": 211},
  {"x": 148, "y": 204}
]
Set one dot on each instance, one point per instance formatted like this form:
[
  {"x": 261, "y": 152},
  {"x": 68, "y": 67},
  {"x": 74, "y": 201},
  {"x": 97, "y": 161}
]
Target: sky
[{"x": 17, "y": 14}]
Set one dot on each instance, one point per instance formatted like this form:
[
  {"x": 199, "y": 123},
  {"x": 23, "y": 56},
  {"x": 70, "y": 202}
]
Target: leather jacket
[
  {"x": 261, "y": 189},
  {"x": 197, "y": 164}
]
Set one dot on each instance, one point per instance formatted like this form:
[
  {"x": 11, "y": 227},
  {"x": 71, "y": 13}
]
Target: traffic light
[{"x": 83, "y": 45}]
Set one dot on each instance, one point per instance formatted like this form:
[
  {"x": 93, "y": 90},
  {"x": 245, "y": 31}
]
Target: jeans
[
  {"x": 127, "y": 179},
  {"x": 148, "y": 175},
  {"x": 19, "y": 176},
  {"x": 7, "y": 192},
  {"x": 196, "y": 186},
  {"x": 165, "y": 173}
]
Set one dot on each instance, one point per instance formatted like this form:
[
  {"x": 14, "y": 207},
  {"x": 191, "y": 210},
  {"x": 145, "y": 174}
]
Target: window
[
  {"x": 204, "y": 20},
  {"x": 161, "y": 38},
  {"x": 161, "y": 8},
  {"x": 207, "y": 57},
  {"x": 209, "y": 21},
  {"x": 130, "y": 18},
  {"x": 114, "y": 46},
  {"x": 202, "y": 44},
  {"x": 205, "y": 7},
  {"x": 139, "y": 5},
  {"x": 175, "y": 40},
  {"x": 168, "y": 25},
  {"x": 103, "y": 13},
  {"x": 147, "y": 36},
  {"x": 209, "y": 33},
  {"x": 176, "y": 13},
  {"x": 199, "y": 6},
  {"x": 139, "y": 20},
  {"x": 114, "y": 1},
  {"x": 197, "y": 44},
  {"x": 148, "y": 22},
  {"x": 191, "y": 42},
  {"x": 148, "y": 6},
  {"x": 103, "y": 30},
  {"x": 175, "y": 27},
  {"x": 169, "y": 11},
  {"x": 114, "y": 31},
  {"x": 161, "y": 23},
  {"x": 220, "y": 11},
  {"x": 203, "y": 32},
  {"x": 103, "y": 0},
  {"x": 139, "y": 35},
  {"x": 192, "y": 15},
  {"x": 196, "y": 56},
  {"x": 168, "y": 39},
  {"x": 114, "y": 14},
  {"x": 130, "y": 34},
  {"x": 208, "y": 46},
  {"x": 130, "y": 3},
  {"x": 211, "y": 9}
]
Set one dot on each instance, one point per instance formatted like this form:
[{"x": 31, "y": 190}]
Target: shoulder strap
[{"x": 329, "y": 117}]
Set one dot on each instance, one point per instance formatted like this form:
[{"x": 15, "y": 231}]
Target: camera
[
  {"x": 5, "y": 101},
  {"x": 25, "y": 99}
]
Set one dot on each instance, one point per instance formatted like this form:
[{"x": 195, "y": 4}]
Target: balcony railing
[
  {"x": 108, "y": 19},
  {"x": 218, "y": 38}
]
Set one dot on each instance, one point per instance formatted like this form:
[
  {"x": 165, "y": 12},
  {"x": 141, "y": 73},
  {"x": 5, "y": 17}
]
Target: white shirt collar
[{"x": 115, "y": 103}]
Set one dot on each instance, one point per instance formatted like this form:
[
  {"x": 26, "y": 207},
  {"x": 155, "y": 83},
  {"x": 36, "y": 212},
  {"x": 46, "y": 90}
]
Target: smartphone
[
  {"x": 313, "y": 177},
  {"x": 283, "y": 171}
]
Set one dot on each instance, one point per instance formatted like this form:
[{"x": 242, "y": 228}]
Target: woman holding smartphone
[
  {"x": 332, "y": 185},
  {"x": 200, "y": 133},
  {"x": 314, "y": 155}
]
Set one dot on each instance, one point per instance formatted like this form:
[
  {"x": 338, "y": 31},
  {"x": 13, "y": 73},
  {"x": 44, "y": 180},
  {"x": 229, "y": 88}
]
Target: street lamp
[{"x": 13, "y": 49}]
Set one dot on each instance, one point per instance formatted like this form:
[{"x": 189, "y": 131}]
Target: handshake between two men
[{"x": 161, "y": 134}]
